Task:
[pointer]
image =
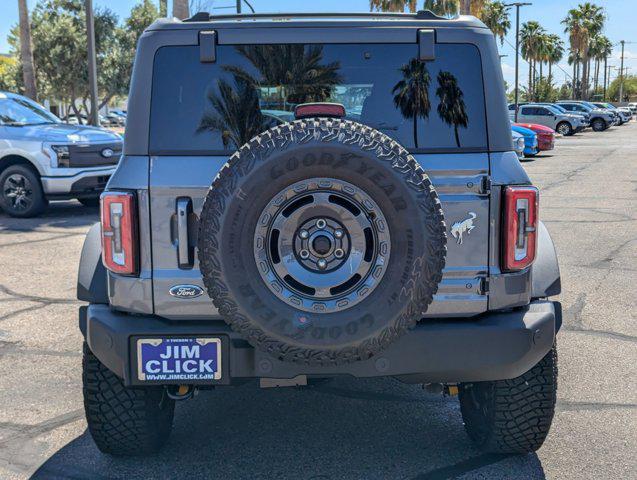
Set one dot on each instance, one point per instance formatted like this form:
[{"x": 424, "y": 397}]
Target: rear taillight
[
  {"x": 119, "y": 232},
  {"x": 520, "y": 227}
]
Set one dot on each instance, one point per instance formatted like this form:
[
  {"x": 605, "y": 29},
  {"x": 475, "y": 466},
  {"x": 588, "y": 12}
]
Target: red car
[{"x": 545, "y": 135}]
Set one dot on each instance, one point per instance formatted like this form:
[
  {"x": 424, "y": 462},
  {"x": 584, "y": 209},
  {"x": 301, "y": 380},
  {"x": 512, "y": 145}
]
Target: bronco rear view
[{"x": 311, "y": 196}]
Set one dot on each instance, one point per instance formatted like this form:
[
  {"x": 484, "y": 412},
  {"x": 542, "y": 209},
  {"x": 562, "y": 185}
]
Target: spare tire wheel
[{"x": 322, "y": 241}]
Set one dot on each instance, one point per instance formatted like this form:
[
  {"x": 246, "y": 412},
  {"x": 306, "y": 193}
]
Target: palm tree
[
  {"x": 180, "y": 9},
  {"x": 411, "y": 94},
  {"x": 582, "y": 24},
  {"x": 555, "y": 52},
  {"x": 471, "y": 7},
  {"x": 26, "y": 51},
  {"x": 443, "y": 8},
  {"x": 496, "y": 16},
  {"x": 600, "y": 49},
  {"x": 295, "y": 69},
  {"x": 234, "y": 113},
  {"x": 392, "y": 5},
  {"x": 451, "y": 108},
  {"x": 531, "y": 35}
]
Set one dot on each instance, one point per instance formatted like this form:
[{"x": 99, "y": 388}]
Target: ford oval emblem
[
  {"x": 186, "y": 291},
  {"x": 107, "y": 153}
]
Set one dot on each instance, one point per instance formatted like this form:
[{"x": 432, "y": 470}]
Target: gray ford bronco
[{"x": 309, "y": 196}]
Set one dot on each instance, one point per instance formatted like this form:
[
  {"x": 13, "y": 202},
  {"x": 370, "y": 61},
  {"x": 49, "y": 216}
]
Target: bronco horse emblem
[{"x": 460, "y": 228}]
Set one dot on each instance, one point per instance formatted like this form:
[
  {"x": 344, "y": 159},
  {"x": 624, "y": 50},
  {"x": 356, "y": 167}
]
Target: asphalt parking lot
[{"x": 343, "y": 429}]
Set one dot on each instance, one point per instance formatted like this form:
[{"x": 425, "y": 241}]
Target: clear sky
[{"x": 621, "y": 23}]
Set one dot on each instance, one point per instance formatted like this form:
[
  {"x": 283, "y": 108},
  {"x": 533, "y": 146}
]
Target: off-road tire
[
  {"x": 38, "y": 199},
  {"x": 512, "y": 416},
  {"x": 598, "y": 125},
  {"x": 228, "y": 218},
  {"x": 123, "y": 421},
  {"x": 564, "y": 128}
]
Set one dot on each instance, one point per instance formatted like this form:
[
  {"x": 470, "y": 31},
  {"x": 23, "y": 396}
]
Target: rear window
[{"x": 213, "y": 108}]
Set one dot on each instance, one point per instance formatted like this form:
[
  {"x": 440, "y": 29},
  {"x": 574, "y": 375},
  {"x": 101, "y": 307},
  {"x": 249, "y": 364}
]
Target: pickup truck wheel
[
  {"x": 122, "y": 420},
  {"x": 564, "y": 128},
  {"x": 598, "y": 124},
  {"x": 322, "y": 241},
  {"x": 512, "y": 416},
  {"x": 21, "y": 192}
]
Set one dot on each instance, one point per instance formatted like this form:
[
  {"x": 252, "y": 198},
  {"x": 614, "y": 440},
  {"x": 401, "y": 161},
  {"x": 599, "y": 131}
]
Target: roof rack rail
[{"x": 420, "y": 15}]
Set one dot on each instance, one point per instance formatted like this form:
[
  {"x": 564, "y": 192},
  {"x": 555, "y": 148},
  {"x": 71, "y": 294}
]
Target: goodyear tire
[{"x": 321, "y": 241}]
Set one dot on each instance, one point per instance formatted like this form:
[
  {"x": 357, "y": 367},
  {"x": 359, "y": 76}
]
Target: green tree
[
  {"x": 443, "y": 8},
  {"x": 630, "y": 89},
  {"x": 531, "y": 38},
  {"x": 451, "y": 108},
  {"x": 59, "y": 49},
  {"x": 392, "y": 5},
  {"x": 411, "y": 93},
  {"x": 582, "y": 24},
  {"x": 9, "y": 67},
  {"x": 495, "y": 15}
]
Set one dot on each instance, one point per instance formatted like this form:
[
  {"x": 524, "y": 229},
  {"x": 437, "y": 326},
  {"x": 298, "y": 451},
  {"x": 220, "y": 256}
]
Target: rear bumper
[{"x": 494, "y": 346}]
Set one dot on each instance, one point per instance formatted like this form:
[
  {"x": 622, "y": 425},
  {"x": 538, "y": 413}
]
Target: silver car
[
  {"x": 549, "y": 116},
  {"x": 43, "y": 159}
]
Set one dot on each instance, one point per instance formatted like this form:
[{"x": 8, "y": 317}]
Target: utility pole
[
  {"x": 92, "y": 62},
  {"x": 238, "y": 6},
  {"x": 621, "y": 75},
  {"x": 517, "y": 6}
]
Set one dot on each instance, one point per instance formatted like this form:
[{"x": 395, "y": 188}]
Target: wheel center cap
[{"x": 322, "y": 244}]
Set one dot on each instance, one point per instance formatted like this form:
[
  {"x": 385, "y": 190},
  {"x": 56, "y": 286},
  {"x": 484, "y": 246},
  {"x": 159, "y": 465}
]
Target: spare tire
[{"x": 321, "y": 241}]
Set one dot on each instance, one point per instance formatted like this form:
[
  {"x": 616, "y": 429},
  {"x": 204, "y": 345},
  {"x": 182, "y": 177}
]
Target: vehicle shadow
[
  {"x": 342, "y": 429},
  {"x": 67, "y": 214}
]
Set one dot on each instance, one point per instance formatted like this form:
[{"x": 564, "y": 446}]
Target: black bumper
[{"x": 494, "y": 346}]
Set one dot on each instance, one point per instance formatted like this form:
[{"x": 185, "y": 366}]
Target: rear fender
[
  {"x": 545, "y": 272},
  {"x": 91, "y": 277}
]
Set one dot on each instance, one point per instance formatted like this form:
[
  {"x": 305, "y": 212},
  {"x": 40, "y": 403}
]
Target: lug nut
[
  {"x": 338, "y": 253},
  {"x": 304, "y": 254},
  {"x": 304, "y": 234},
  {"x": 338, "y": 233},
  {"x": 320, "y": 223},
  {"x": 322, "y": 264}
]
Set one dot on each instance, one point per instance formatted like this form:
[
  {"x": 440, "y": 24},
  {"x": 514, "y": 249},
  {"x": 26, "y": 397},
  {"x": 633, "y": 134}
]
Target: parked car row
[
  {"x": 114, "y": 118},
  {"x": 42, "y": 158},
  {"x": 565, "y": 117}
]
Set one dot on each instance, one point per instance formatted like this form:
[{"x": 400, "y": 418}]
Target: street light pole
[
  {"x": 238, "y": 6},
  {"x": 621, "y": 74},
  {"x": 92, "y": 62},
  {"x": 517, "y": 6}
]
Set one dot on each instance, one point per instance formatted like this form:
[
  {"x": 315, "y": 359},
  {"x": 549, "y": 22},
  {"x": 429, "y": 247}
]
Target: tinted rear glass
[{"x": 209, "y": 108}]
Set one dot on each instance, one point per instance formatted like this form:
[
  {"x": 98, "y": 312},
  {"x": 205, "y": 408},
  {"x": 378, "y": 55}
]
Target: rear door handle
[{"x": 185, "y": 253}]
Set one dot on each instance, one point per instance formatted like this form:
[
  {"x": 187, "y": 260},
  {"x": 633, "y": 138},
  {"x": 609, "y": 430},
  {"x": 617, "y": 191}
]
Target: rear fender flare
[
  {"x": 91, "y": 278},
  {"x": 545, "y": 272}
]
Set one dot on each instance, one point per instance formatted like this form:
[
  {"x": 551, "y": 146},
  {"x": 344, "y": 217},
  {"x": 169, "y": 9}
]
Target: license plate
[{"x": 179, "y": 359}]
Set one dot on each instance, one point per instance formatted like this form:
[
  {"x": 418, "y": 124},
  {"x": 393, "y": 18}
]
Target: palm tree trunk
[
  {"x": 541, "y": 70},
  {"x": 455, "y": 128},
  {"x": 530, "y": 80},
  {"x": 585, "y": 79},
  {"x": 465, "y": 7},
  {"x": 574, "y": 79},
  {"x": 550, "y": 77},
  {"x": 26, "y": 51},
  {"x": 180, "y": 9}
]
